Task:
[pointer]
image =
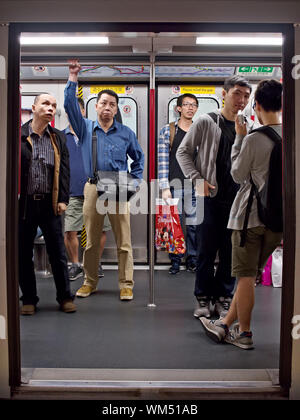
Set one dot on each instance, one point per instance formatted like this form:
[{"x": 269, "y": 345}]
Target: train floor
[{"x": 108, "y": 333}]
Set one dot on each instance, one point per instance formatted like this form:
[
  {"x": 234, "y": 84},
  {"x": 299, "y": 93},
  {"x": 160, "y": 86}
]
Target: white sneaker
[
  {"x": 214, "y": 329},
  {"x": 242, "y": 340}
]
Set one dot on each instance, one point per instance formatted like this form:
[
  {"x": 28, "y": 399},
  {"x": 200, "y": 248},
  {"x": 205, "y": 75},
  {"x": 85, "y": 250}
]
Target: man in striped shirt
[{"x": 43, "y": 199}]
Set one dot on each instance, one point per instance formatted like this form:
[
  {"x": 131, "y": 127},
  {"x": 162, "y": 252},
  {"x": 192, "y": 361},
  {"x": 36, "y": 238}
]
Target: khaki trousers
[{"x": 120, "y": 224}]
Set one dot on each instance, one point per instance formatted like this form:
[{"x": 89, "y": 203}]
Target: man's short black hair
[
  {"x": 186, "y": 95},
  {"x": 269, "y": 95},
  {"x": 37, "y": 98},
  {"x": 232, "y": 81},
  {"x": 108, "y": 92},
  {"x": 182, "y": 97},
  {"x": 81, "y": 102}
]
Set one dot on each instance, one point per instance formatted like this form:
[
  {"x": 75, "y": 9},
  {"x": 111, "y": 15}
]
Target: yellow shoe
[
  {"x": 85, "y": 290},
  {"x": 126, "y": 294}
]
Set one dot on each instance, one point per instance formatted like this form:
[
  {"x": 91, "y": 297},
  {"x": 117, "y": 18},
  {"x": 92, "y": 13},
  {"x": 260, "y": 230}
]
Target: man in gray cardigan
[{"x": 212, "y": 135}]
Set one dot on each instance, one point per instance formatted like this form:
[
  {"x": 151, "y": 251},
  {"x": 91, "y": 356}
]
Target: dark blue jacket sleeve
[{"x": 137, "y": 155}]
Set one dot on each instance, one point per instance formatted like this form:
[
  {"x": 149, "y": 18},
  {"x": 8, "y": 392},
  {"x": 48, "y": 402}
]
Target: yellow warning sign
[
  {"x": 198, "y": 90},
  {"x": 119, "y": 89}
]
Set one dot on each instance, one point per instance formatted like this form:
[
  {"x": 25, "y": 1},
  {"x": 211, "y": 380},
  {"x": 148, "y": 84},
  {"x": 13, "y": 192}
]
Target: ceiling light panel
[
  {"x": 64, "y": 40},
  {"x": 230, "y": 40}
]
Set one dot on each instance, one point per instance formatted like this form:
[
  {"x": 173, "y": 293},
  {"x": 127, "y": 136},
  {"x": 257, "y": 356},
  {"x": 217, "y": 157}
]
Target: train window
[
  {"x": 206, "y": 105},
  {"x": 26, "y": 103},
  {"x": 127, "y": 114},
  {"x": 128, "y": 111}
]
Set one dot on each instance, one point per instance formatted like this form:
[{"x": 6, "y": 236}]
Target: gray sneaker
[
  {"x": 100, "y": 271},
  {"x": 202, "y": 307},
  {"x": 214, "y": 329},
  {"x": 243, "y": 340},
  {"x": 222, "y": 306},
  {"x": 75, "y": 271}
]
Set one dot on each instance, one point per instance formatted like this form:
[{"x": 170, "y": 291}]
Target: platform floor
[{"x": 106, "y": 333}]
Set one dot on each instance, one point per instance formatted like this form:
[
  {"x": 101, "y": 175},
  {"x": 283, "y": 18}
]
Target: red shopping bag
[{"x": 168, "y": 232}]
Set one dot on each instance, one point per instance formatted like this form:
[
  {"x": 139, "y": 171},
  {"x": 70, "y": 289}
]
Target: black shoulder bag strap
[
  {"x": 248, "y": 210},
  {"x": 94, "y": 155},
  {"x": 270, "y": 132},
  {"x": 225, "y": 130},
  {"x": 213, "y": 116}
]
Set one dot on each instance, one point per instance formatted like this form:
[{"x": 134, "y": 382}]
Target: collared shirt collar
[
  {"x": 67, "y": 130},
  {"x": 113, "y": 126},
  {"x": 46, "y": 131}
]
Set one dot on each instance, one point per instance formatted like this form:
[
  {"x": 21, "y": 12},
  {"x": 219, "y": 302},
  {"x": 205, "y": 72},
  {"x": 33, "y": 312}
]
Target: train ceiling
[
  {"x": 139, "y": 45},
  {"x": 141, "y": 48}
]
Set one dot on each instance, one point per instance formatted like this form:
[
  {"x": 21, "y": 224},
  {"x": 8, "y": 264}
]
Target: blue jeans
[
  {"x": 187, "y": 210},
  {"x": 212, "y": 237}
]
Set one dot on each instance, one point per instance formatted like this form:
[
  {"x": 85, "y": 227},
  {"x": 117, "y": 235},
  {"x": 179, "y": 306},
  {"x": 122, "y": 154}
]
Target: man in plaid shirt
[{"x": 173, "y": 183}]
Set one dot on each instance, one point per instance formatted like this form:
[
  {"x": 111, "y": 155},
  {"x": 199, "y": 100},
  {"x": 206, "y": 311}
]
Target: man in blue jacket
[
  {"x": 115, "y": 142},
  {"x": 74, "y": 216}
]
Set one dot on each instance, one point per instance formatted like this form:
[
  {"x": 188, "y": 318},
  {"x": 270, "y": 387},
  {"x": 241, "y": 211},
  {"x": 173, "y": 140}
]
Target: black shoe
[
  {"x": 174, "y": 269},
  {"x": 191, "y": 268}
]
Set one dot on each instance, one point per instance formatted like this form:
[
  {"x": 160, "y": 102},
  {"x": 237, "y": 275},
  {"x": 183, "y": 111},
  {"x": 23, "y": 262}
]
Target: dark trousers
[
  {"x": 40, "y": 213},
  {"x": 212, "y": 237},
  {"x": 187, "y": 210}
]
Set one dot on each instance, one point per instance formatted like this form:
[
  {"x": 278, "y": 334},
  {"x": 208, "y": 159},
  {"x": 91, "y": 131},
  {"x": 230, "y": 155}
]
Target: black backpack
[{"x": 269, "y": 199}]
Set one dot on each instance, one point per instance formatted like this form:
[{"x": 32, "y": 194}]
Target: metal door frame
[{"x": 13, "y": 113}]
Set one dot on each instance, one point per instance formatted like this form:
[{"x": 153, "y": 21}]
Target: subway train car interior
[{"x": 151, "y": 347}]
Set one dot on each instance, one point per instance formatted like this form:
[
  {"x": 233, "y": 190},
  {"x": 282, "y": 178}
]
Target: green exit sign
[{"x": 256, "y": 70}]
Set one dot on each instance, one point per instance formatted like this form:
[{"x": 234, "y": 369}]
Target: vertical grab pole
[
  {"x": 151, "y": 205},
  {"x": 151, "y": 303}
]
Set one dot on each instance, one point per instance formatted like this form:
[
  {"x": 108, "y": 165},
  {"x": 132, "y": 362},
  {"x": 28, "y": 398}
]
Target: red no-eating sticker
[{"x": 126, "y": 109}]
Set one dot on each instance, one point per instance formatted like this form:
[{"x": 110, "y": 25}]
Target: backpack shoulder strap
[
  {"x": 268, "y": 131},
  {"x": 247, "y": 214},
  {"x": 213, "y": 116},
  {"x": 217, "y": 117},
  {"x": 172, "y": 133}
]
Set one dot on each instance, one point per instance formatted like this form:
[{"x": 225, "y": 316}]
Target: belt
[
  {"x": 92, "y": 180},
  {"x": 38, "y": 197}
]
